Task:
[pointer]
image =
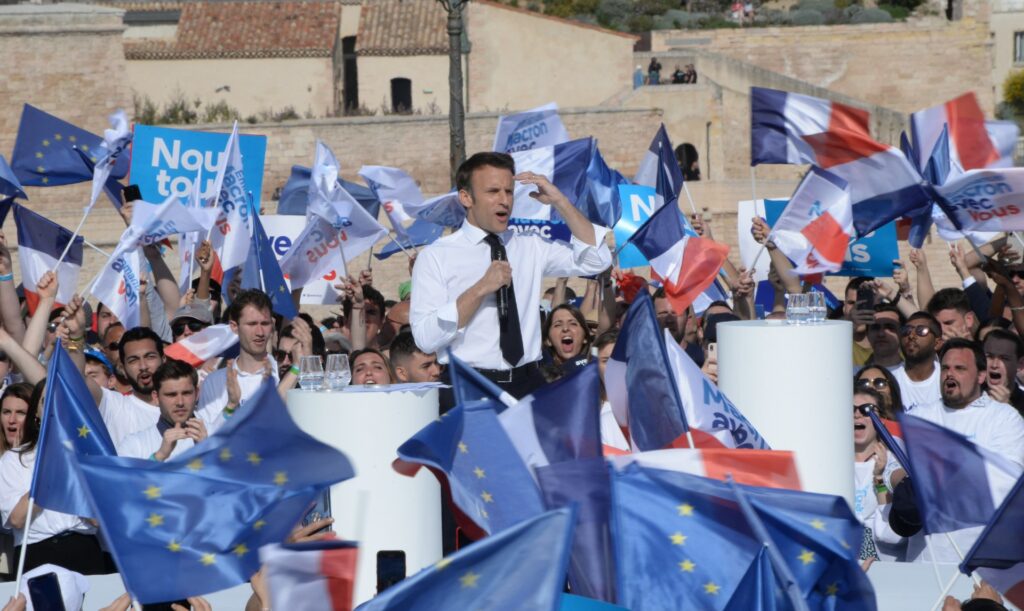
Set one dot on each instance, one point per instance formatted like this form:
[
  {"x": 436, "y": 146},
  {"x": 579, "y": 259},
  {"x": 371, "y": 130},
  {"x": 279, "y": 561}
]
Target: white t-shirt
[
  {"x": 146, "y": 442},
  {"x": 15, "y": 480},
  {"x": 126, "y": 414},
  {"x": 213, "y": 393},
  {"x": 985, "y": 422},
  {"x": 890, "y": 546},
  {"x": 918, "y": 394}
]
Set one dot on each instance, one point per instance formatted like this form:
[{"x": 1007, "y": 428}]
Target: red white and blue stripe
[
  {"x": 815, "y": 228},
  {"x": 311, "y": 576},
  {"x": 40, "y": 244},
  {"x": 565, "y": 165},
  {"x": 974, "y": 142}
]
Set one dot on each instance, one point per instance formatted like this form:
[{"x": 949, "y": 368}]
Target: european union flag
[
  {"x": 9, "y": 185},
  {"x": 487, "y": 480},
  {"x": 420, "y": 233},
  {"x": 685, "y": 542},
  {"x": 295, "y": 194},
  {"x": 261, "y": 444},
  {"x": 521, "y": 568},
  {"x": 468, "y": 385},
  {"x": 72, "y": 427},
  {"x": 262, "y": 271},
  {"x": 176, "y": 533},
  {"x": 44, "y": 151}
]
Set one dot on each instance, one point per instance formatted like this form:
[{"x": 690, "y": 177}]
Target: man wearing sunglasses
[
  {"x": 919, "y": 377},
  {"x": 884, "y": 337},
  {"x": 189, "y": 320}
]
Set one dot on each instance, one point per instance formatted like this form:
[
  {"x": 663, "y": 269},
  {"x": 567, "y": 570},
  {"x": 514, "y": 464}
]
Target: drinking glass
[
  {"x": 819, "y": 312},
  {"x": 338, "y": 375},
  {"x": 311, "y": 373},
  {"x": 797, "y": 309}
]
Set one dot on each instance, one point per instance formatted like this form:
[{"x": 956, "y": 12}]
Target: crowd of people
[{"x": 952, "y": 356}]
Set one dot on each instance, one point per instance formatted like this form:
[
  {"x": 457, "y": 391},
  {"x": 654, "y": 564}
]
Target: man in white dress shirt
[
  {"x": 175, "y": 390},
  {"x": 457, "y": 297}
]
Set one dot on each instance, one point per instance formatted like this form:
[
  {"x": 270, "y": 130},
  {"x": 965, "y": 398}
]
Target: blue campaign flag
[
  {"x": 601, "y": 202},
  {"x": 468, "y": 385},
  {"x": 166, "y": 161},
  {"x": 521, "y": 568},
  {"x": 261, "y": 444},
  {"x": 638, "y": 204},
  {"x": 420, "y": 233},
  {"x": 660, "y": 158},
  {"x": 9, "y": 184},
  {"x": 262, "y": 271},
  {"x": 295, "y": 194},
  {"x": 488, "y": 481},
  {"x": 585, "y": 484},
  {"x": 943, "y": 460},
  {"x": 871, "y": 255},
  {"x": 640, "y": 379},
  {"x": 177, "y": 531},
  {"x": 45, "y": 151},
  {"x": 72, "y": 427},
  {"x": 685, "y": 542}
]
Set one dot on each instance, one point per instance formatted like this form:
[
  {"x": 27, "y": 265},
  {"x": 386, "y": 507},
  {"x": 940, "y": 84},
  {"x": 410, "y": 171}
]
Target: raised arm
[
  {"x": 35, "y": 335},
  {"x": 72, "y": 334},
  {"x": 10, "y": 309},
  {"x": 165, "y": 284},
  {"x": 352, "y": 292},
  {"x": 925, "y": 289},
  {"x": 29, "y": 366},
  {"x": 582, "y": 229}
]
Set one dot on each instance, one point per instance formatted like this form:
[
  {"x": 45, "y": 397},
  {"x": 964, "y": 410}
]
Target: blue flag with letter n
[{"x": 72, "y": 426}]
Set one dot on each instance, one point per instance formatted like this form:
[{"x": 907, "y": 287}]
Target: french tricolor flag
[
  {"x": 40, "y": 244},
  {"x": 200, "y": 347},
  {"x": 767, "y": 468},
  {"x": 687, "y": 265},
  {"x": 659, "y": 164},
  {"x": 796, "y": 129},
  {"x": 974, "y": 142},
  {"x": 311, "y": 576},
  {"x": 816, "y": 226},
  {"x": 565, "y": 165}
]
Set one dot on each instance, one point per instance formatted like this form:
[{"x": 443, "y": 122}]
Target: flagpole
[
  {"x": 71, "y": 241},
  {"x": 686, "y": 190},
  {"x": 931, "y": 560},
  {"x": 960, "y": 554},
  {"x": 96, "y": 248},
  {"x": 785, "y": 575},
  {"x": 399, "y": 244},
  {"x": 945, "y": 591},
  {"x": 24, "y": 543},
  {"x": 369, "y": 260},
  {"x": 753, "y": 184}
]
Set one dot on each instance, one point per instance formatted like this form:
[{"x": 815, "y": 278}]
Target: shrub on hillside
[
  {"x": 1013, "y": 91},
  {"x": 822, "y": 6},
  {"x": 806, "y": 17},
  {"x": 899, "y": 13},
  {"x": 871, "y": 15}
]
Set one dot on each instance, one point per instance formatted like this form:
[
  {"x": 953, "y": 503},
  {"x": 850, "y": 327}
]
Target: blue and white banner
[
  {"x": 986, "y": 200},
  {"x": 282, "y": 231},
  {"x": 165, "y": 161},
  {"x": 871, "y": 255},
  {"x": 638, "y": 204},
  {"x": 530, "y": 129}
]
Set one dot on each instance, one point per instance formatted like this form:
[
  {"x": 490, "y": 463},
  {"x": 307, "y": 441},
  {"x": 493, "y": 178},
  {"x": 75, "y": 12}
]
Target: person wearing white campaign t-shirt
[
  {"x": 249, "y": 316},
  {"x": 178, "y": 429},
  {"x": 966, "y": 410},
  {"x": 919, "y": 377}
]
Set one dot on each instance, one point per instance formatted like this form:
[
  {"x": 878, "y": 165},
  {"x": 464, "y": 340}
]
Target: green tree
[{"x": 1013, "y": 91}]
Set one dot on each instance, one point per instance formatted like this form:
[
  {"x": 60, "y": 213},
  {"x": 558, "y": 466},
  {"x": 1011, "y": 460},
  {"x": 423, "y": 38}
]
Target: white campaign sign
[
  {"x": 987, "y": 200},
  {"x": 282, "y": 229}
]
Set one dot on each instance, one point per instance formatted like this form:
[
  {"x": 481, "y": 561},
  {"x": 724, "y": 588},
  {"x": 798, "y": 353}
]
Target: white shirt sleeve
[
  {"x": 578, "y": 258},
  {"x": 433, "y": 315},
  {"x": 15, "y": 479}
]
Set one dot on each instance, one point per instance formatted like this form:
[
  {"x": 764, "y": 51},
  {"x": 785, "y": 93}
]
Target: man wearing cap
[{"x": 188, "y": 320}]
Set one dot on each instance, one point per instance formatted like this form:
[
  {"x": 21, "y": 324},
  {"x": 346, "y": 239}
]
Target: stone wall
[{"x": 904, "y": 66}]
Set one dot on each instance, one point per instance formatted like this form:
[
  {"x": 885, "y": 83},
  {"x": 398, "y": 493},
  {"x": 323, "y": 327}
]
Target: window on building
[
  {"x": 401, "y": 95},
  {"x": 1018, "y": 47}
]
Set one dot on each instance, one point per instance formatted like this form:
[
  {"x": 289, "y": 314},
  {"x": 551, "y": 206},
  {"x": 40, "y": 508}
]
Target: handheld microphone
[{"x": 503, "y": 291}]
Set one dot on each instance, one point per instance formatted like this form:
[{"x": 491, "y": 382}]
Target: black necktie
[{"x": 511, "y": 336}]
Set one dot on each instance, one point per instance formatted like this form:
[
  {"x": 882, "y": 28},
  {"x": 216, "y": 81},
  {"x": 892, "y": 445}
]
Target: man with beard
[
  {"x": 140, "y": 351},
  {"x": 178, "y": 429},
  {"x": 884, "y": 337},
  {"x": 683, "y": 328},
  {"x": 250, "y": 316},
  {"x": 919, "y": 377}
]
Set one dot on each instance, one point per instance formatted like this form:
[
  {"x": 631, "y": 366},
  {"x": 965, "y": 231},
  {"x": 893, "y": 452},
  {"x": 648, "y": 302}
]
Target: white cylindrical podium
[
  {"x": 795, "y": 385},
  {"x": 381, "y": 509}
]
